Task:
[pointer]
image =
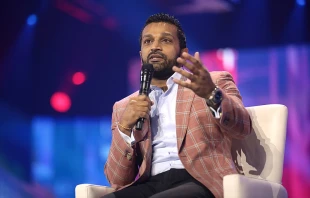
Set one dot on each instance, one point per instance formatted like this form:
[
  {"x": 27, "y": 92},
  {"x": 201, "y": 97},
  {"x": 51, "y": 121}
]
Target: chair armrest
[
  {"x": 91, "y": 191},
  {"x": 240, "y": 186}
]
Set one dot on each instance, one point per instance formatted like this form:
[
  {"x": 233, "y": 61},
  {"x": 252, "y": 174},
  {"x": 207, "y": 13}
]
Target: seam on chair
[
  {"x": 87, "y": 193},
  {"x": 263, "y": 180}
]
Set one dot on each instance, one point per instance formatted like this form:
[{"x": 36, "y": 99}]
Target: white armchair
[{"x": 258, "y": 158}]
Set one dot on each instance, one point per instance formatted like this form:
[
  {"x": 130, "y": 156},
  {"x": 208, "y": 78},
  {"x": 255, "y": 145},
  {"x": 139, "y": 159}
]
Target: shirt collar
[{"x": 170, "y": 81}]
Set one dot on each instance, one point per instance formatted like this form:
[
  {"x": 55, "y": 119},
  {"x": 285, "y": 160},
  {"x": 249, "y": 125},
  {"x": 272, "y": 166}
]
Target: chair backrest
[{"x": 261, "y": 154}]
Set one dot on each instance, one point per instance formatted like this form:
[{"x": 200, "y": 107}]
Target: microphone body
[{"x": 146, "y": 75}]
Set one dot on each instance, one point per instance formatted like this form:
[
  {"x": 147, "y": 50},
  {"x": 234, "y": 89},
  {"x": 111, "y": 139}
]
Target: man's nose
[{"x": 156, "y": 46}]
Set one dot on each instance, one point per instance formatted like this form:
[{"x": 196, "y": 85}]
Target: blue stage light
[
  {"x": 301, "y": 2},
  {"x": 32, "y": 19}
]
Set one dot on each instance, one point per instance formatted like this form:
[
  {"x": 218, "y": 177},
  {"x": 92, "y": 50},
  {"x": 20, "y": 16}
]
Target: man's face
[{"x": 160, "y": 47}]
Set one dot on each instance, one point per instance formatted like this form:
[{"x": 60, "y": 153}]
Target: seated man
[{"x": 191, "y": 116}]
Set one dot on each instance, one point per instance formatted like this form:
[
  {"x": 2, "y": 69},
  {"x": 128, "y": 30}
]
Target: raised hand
[{"x": 200, "y": 80}]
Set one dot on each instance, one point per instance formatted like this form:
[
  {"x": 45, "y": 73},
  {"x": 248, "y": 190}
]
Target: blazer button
[{"x": 129, "y": 156}]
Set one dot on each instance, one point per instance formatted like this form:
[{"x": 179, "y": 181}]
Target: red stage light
[
  {"x": 78, "y": 78},
  {"x": 60, "y": 102}
]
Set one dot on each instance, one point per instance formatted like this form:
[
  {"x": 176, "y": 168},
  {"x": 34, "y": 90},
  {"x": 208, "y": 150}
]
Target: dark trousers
[{"x": 176, "y": 183}]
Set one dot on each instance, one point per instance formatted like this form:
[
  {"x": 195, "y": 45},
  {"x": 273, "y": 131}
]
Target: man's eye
[
  {"x": 167, "y": 40},
  {"x": 147, "y": 41}
]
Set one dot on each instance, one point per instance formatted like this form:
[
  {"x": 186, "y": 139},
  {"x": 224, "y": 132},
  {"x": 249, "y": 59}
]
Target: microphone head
[{"x": 147, "y": 67}]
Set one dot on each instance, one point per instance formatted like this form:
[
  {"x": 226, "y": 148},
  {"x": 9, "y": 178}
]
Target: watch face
[{"x": 218, "y": 96}]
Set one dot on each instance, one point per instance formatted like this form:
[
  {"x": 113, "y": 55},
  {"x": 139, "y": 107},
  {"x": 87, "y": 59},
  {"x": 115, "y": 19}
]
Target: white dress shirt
[{"x": 163, "y": 124}]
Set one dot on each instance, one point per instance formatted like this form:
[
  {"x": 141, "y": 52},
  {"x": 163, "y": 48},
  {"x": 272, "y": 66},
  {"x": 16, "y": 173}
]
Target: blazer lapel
[{"x": 184, "y": 102}]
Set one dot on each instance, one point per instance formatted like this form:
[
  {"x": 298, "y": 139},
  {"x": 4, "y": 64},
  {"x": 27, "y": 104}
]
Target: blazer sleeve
[
  {"x": 235, "y": 120},
  {"x": 120, "y": 168}
]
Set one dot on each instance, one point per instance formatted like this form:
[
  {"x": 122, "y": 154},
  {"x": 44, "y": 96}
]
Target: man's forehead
[{"x": 159, "y": 28}]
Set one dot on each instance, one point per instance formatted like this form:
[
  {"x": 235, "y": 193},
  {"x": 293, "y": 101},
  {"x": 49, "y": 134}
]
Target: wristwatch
[{"x": 216, "y": 97}]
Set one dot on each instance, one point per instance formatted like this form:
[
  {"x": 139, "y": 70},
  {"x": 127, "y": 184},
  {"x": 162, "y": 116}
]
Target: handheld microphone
[{"x": 147, "y": 71}]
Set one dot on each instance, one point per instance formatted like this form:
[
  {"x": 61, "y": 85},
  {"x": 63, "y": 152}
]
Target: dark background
[{"x": 62, "y": 44}]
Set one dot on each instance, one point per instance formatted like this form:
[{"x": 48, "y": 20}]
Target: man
[{"x": 191, "y": 116}]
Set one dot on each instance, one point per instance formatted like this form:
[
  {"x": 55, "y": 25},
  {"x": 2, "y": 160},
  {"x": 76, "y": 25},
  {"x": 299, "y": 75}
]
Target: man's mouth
[{"x": 155, "y": 58}]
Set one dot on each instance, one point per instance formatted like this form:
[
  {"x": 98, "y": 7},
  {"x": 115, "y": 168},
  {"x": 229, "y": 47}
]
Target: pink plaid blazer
[{"x": 204, "y": 143}]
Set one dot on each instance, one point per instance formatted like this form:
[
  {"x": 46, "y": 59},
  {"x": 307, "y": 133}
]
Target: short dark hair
[{"x": 166, "y": 18}]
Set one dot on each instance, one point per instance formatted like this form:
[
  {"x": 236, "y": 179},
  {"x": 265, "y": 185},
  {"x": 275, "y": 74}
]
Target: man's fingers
[
  {"x": 143, "y": 109},
  {"x": 195, "y": 60},
  {"x": 184, "y": 73},
  {"x": 132, "y": 101},
  {"x": 183, "y": 83},
  {"x": 142, "y": 103},
  {"x": 143, "y": 115},
  {"x": 190, "y": 62},
  {"x": 188, "y": 65},
  {"x": 141, "y": 98},
  {"x": 197, "y": 56}
]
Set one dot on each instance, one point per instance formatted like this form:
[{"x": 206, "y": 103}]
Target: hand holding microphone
[
  {"x": 145, "y": 82},
  {"x": 138, "y": 107}
]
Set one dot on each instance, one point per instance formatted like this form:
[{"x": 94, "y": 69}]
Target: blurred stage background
[{"x": 63, "y": 63}]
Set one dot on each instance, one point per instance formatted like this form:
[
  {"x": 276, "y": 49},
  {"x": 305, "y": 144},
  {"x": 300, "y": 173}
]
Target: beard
[{"x": 162, "y": 70}]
